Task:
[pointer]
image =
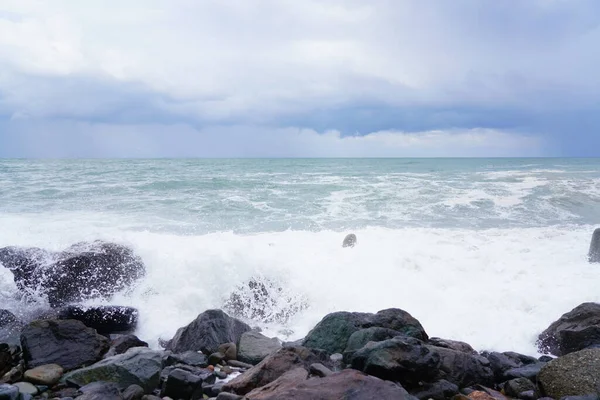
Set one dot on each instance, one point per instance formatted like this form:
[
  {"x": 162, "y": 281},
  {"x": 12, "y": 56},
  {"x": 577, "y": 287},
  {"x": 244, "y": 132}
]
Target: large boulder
[
  {"x": 138, "y": 366},
  {"x": 273, "y": 367},
  {"x": 81, "y": 272},
  {"x": 410, "y": 362},
  {"x": 594, "y": 253},
  {"x": 347, "y": 385},
  {"x": 574, "y": 331},
  {"x": 104, "y": 319},
  {"x": 209, "y": 330},
  {"x": 68, "y": 343},
  {"x": 334, "y": 331},
  {"x": 576, "y": 374},
  {"x": 255, "y": 347}
]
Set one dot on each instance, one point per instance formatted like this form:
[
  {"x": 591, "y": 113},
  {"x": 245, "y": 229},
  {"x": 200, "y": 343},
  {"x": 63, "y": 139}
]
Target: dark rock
[
  {"x": 47, "y": 375},
  {"x": 528, "y": 395},
  {"x": 545, "y": 359},
  {"x": 123, "y": 343},
  {"x": 212, "y": 390},
  {"x": 500, "y": 363},
  {"x": 360, "y": 338},
  {"x": 439, "y": 390},
  {"x": 221, "y": 374},
  {"x": 530, "y": 372},
  {"x": 216, "y": 358},
  {"x": 586, "y": 397},
  {"x": 261, "y": 299},
  {"x": 594, "y": 253},
  {"x": 229, "y": 351},
  {"x": 67, "y": 343},
  {"x": 6, "y": 359},
  {"x": 350, "y": 240},
  {"x": 228, "y": 396},
  {"x": 150, "y": 397},
  {"x": 347, "y": 385},
  {"x": 8, "y": 392},
  {"x": 408, "y": 361},
  {"x": 10, "y": 328},
  {"x": 192, "y": 358},
  {"x": 334, "y": 331},
  {"x": 255, "y": 347},
  {"x": 100, "y": 391},
  {"x": 207, "y": 332},
  {"x": 182, "y": 384},
  {"x": 133, "y": 392},
  {"x": 104, "y": 319},
  {"x": 515, "y": 387},
  {"x": 138, "y": 366},
  {"x": 15, "y": 374},
  {"x": 452, "y": 345},
  {"x": 273, "y": 367},
  {"x": 576, "y": 330},
  {"x": 64, "y": 392},
  {"x": 522, "y": 358},
  {"x": 239, "y": 364},
  {"x": 576, "y": 374},
  {"x": 83, "y": 271},
  {"x": 319, "y": 370}
]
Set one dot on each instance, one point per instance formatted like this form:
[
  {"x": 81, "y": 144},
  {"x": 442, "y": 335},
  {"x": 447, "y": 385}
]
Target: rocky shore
[{"x": 75, "y": 352}]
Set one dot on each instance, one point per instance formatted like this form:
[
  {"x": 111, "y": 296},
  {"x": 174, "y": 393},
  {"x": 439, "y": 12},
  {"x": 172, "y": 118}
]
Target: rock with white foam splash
[
  {"x": 350, "y": 240},
  {"x": 594, "y": 253}
]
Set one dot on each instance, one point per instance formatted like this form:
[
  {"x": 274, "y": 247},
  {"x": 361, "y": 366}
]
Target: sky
[{"x": 289, "y": 78}]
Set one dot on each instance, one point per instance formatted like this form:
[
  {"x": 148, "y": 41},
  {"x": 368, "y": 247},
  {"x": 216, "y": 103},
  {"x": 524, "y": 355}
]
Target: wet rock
[
  {"x": 452, "y": 345},
  {"x": 409, "y": 361},
  {"x": 207, "y": 332},
  {"x": 228, "y": 396},
  {"x": 100, "y": 391},
  {"x": 528, "y": 395},
  {"x": 67, "y": 343},
  {"x": 515, "y": 387},
  {"x": 81, "y": 272},
  {"x": 255, "y": 347},
  {"x": 229, "y": 351},
  {"x": 47, "y": 375},
  {"x": 262, "y": 299},
  {"x": 239, "y": 364},
  {"x": 350, "y": 240},
  {"x": 522, "y": 358},
  {"x": 7, "y": 318},
  {"x": 334, "y": 331},
  {"x": 530, "y": 372},
  {"x": 192, "y": 358},
  {"x": 576, "y": 374},
  {"x": 8, "y": 392},
  {"x": 360, "y": 338},
  {"x": 500, "y": 363},
  {"x": 594, "y": 253},
  {"x": 104, "y": 319},
  {"x": 319, "y": 370},
  {"x": 182, "y": 384},
  {"x": 26, "y": 388},
  {"x": 348, "y": 384},
  {"x": 138, "y": 366},
  {"x": 133, "y": 392},
  {"x": 216, "y": 358},
  {"x": 10, "y": 328},
  {"x": 273, "y": 367},
  {"x": 439, "y": 390},
  {"x": 123, "y": 343},
  {"x": 576, "y": 330}
]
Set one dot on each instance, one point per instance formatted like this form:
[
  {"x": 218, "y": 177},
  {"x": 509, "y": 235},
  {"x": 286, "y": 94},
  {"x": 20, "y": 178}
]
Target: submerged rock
[
  {"x": 350, "y": 240},
  {"x": 207, "y": 332},
  {"x": 81, "y": 272},
  {"x": 575, "y": 330},
  {"x": 594, "y": 253},
  {"x": 68, "y": 343}
]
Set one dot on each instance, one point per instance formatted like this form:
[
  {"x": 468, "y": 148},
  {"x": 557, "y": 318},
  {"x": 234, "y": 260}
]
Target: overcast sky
[{"x": 262, "y": 78}]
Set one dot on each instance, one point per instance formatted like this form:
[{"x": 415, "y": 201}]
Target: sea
[{"x": 486, "y": 251}]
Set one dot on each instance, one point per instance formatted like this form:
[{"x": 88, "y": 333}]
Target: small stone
[
  {"x": 216, "y": 358},
  {"x": 228, "y": 396},
  {"x": 221, "y": 374},
  {"x": 227, "y": 370},
  {"x": 26, "y": 387},
  {"x": 9, "y": 392},
  {"x": 516, "y": 386},
  {"x": 528, "y": 395},
  {"x": 133, "y": 392},
  {"x": 239, "y": 364},
  {"x": 350, "y": 240},
  {"x": 229, "y": 351},
  {"x": 48, "y": 374},
  {"x": 320, "y": 370}
]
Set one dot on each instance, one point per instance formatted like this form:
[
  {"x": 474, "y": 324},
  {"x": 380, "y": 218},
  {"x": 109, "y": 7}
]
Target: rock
[
  {"x": 347, "y": 385},
  {"x": 515, "y": 387},
  {"x": 26, "y": 388},
  {"x": 133, "y": 392},
  {"x": 81, "y": 272},
  {"x": 7, "y": 318},
  {"x": 191, "y": 358},
  {"x": 68, "y": 343},
  {"x": 439, "y": 390},
  {"x": 452, "y": 345},
  {"x": 138, "y": 366},
  {"x": 500, "y": 363},
  {"x": 255, "y": 347},
  {"x": 8, "y": 392},
  {"x": 182, "y": 384},
  {"x": 273, "y": 367},
  {"x": 228, "y": 396},
  {"x": 576, "y": 330},
  {"x": 334, "y": 331},
  {"x": 528, "y": 395},
  {"x": 522, "y": 358},
  {"x": 229, "y": 351},
  {"x": 586, "y": 397},
  {"x": 6, "y": 359},
  {"x": 104, "y": 319},
  {"x": 100, "y": 391},
  {"x": 409, "y": 361},
  {"x": 15, "y": 374},
  {"x": 319, "y": 370},
  {"x": 594, "y": 253},
  {"x": 350, "y": 240},
  {"x": 480, "y": 395},
  {"x": 123, "y": 343},
  {"x": 360, "y": 338},
  {"x": 530, "y": 371},
  {"x": 216, "y": 358},
  {"x": 47, "y": 375},
  {"x": 262, "y": 299},
  {"x": 10, "y": 328},
  {"x": 239, "y": 364},
  {"x": 207, "y": 332},
  {"x": 576, "y": 374}
]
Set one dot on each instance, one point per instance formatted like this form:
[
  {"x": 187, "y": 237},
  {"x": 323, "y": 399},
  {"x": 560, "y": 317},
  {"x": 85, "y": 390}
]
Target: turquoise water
[{"x": 489, "y": 251}]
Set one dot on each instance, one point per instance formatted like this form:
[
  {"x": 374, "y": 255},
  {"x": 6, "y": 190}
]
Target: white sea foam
[{"x": 496, "y": 289}]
